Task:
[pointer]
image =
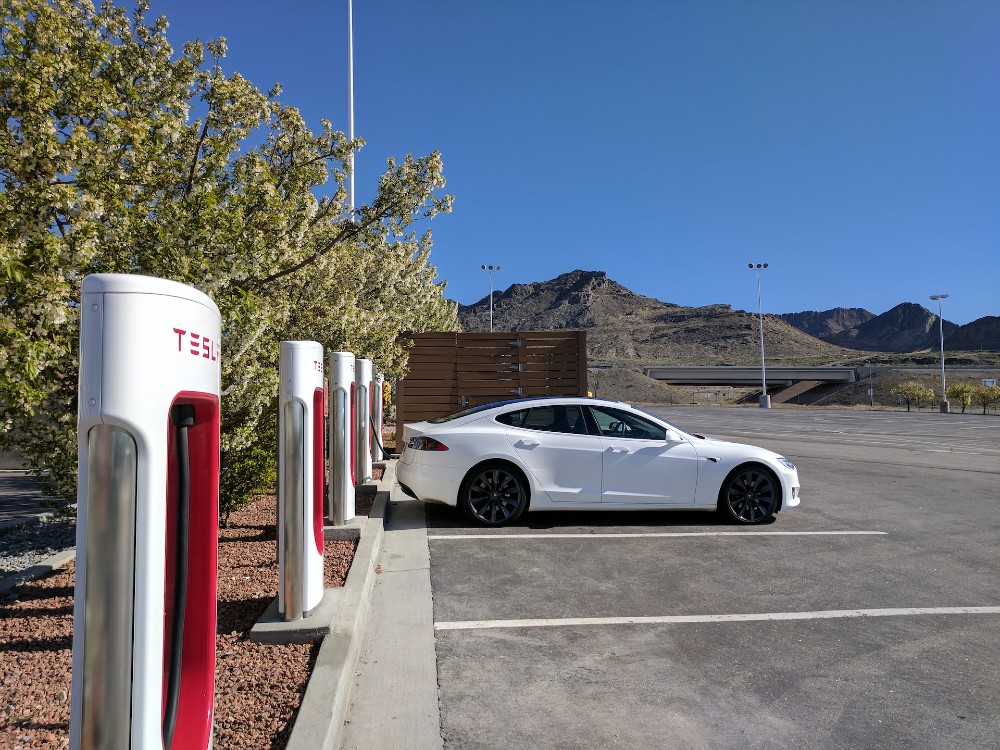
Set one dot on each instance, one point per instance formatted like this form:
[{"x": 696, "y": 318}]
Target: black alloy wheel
[
  {"x": 750, "y": 495},
  {"x": 494, "y": 495}
]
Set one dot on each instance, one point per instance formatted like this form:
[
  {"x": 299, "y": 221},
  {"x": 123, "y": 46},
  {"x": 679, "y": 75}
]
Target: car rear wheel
[
  {"x": 749, "y": 495},
  {"x": 494, "y": 495}
]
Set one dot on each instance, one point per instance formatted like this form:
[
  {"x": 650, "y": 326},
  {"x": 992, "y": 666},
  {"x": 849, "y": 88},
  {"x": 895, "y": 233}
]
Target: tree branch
[
  {"x": 347, "y": 234},
  {"x": 197, "y": 153}
]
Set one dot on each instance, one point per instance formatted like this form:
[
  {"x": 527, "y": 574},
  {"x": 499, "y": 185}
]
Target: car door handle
[
  {"x": 527, "y": 443},
  {"x": 618, "y": 449}
]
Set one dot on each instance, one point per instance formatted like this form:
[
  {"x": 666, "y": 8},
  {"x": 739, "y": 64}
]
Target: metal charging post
[
  {"x": 144, "y": 613},
  {"x": 301, "y": 474},
  {"x": 378, "y": 408},
  {"x": 343, "y": 437},
  {"x": 363, "y": 377}
]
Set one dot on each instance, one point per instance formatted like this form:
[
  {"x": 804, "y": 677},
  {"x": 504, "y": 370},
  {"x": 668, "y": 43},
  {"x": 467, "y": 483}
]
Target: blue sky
[{"x": 853, "y": 145}]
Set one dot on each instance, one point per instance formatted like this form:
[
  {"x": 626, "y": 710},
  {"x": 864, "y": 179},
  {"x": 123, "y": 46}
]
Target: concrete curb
[
  {"x": 320, "y": 720},
  {"x": 46, "y": 566},
  {"x": 13, "y": 523}
]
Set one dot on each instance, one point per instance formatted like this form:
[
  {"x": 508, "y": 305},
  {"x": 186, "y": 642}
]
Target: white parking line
[
  {"x": 829, "y": 614},
  {"x": 652, "y": 534}
]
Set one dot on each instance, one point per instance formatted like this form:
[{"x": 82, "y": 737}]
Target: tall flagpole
[{"x": 350, "y": 104}]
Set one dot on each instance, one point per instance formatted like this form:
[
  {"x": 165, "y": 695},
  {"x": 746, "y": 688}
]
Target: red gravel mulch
[{"x": 258, "y": 687}]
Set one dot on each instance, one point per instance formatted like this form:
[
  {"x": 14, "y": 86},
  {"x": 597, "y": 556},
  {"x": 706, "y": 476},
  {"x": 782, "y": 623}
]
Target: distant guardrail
[{"x": 776, "y": 377}]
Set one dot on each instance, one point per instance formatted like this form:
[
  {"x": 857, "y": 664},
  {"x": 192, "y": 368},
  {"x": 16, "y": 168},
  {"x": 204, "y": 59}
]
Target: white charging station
[
  {"x": 363, "y": 395},
  {"x": 378, "y": 407},
  {"x": 148, "y": 503},
  {"x": 301, "y": 477},
  {"x": 343, "y": 437}
]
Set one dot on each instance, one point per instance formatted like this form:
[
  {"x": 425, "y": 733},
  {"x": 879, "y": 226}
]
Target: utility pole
[
  {"x": 350, "y": 105},
  {"x": 945, "y": 406},
  {"x": 491, "y": 269},
  {"x": 765, "y": 399}
]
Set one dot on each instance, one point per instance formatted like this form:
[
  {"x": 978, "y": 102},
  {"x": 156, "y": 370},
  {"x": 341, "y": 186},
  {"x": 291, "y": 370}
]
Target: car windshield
[{"x": 672, "y": 426}]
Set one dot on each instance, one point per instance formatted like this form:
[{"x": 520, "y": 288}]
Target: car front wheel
[
  {"x": 750, "y": 495},
  {"x": 494, "y": 495}
]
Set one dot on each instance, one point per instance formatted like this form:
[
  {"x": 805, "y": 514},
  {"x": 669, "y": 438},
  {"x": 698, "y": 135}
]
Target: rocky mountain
[
  {"x": 829, "y": 322},
  {"x": 977, "y": 335},
  {"x": 623, "y": 326},
  {"x": 905, "y": 328}
]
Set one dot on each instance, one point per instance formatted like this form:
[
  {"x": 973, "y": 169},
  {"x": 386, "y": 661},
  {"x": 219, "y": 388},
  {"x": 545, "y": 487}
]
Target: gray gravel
[{"x": 27, "y": 545}]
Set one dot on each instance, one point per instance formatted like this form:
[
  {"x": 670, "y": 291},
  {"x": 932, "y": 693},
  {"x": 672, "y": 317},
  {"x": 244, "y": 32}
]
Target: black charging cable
[
  {"x": 378, "y": 438},
  {"x": 182, "y": 417}
]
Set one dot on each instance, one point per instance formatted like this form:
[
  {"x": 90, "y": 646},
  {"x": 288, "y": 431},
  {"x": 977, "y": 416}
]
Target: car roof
[{"x": 532, "y": 400}]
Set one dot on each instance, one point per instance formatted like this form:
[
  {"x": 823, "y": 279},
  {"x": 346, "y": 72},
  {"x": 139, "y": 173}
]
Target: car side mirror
[{"x": 673, "y": 437}]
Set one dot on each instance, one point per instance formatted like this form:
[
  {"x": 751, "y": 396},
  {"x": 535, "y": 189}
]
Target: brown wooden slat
[
  {"x": 496, "y": 369},
  {"x": 485, "y": 360},
  {"x": 499, "y": 393},
  {"x": 558, "y": 370},
  {"x": 431, "y": 369},
  {"x": 413, "y": 395},
  {"x": 476, "y": 367},
  {"x": 433, "y": 351}
]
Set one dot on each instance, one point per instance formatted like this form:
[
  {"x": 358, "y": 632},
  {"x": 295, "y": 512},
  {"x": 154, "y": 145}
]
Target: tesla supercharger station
[
  {"x": 363, "y": 377},
  {"x": 148, "y": 505},
  {"x": 343, "y": 437},
  {"x": 377, "y": 408},
  {"x": 301, "y": 477}
]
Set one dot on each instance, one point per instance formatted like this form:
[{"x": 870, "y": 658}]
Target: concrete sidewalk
[{"x": 395, "y": 699}]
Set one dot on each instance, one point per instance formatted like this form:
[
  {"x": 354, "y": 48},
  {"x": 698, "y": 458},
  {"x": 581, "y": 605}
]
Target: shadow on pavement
[{"x": 445, "y": 517}]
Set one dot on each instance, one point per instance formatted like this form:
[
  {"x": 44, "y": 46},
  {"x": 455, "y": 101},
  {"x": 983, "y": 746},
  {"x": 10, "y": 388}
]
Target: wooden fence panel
[{"x": 452, "y": 371}]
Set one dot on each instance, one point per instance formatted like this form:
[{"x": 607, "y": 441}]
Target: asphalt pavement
[
  {"x": 866, "y": 617},
  {"x": 20, "y": 499}
]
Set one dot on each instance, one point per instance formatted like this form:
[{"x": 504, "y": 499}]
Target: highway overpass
[{"x": 783, "y": 383}]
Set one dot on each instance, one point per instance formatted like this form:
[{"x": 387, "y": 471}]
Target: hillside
[
  {"x": 623, "y": 326},
  {"x": 829, "y": 322}
]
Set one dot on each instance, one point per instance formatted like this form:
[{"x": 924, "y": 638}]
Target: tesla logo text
[
  {"x": 197, "y": 345},
  {"x": 319, "y": 366}
]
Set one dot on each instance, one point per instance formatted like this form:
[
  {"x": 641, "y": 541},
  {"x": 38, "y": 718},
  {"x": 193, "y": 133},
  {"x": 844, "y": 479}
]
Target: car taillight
[{"x": 424, "y": 443}]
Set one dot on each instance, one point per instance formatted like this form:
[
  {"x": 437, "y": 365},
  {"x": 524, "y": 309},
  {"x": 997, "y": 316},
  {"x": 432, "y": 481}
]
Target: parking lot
[{"x": 867, "y": 617}]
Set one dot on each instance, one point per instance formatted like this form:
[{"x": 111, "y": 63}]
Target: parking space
[{"x": 867, "y": 617}]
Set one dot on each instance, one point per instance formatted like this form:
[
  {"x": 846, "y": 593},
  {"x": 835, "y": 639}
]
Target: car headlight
[{"x": 786, "y": 463}]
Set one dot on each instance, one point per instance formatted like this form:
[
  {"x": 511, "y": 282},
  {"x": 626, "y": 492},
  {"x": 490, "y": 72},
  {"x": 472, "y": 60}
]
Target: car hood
[{"x": 708, "y": 444}]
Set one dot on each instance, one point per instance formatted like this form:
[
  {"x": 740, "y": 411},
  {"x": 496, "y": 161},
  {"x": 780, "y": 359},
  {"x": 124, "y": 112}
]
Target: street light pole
[
  {"x": 491, "y": 269},
  {"x": 350, "y": 106},
  {"x": 765, "y": 399},
  {"x": 945, "y": 407}
]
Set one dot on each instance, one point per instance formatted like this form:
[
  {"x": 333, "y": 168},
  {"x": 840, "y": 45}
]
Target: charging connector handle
[
  {"x": 182, "y": 417},
  {"x": 378, "y": 438}
]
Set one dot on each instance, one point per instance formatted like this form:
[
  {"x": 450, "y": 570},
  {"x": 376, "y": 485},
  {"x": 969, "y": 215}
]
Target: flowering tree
[
  {"x": 912, "y": 392},
  {"x": 120, "y": 155},
  {"x": 962, "y": 392},
  {"x": 986, "y": 396}
]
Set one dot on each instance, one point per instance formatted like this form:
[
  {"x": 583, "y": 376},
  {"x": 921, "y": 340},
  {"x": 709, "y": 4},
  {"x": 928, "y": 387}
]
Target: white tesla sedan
[{"x": 498, "y": 460}]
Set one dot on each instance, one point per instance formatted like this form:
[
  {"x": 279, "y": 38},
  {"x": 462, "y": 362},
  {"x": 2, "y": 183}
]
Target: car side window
[
  {"x": 541, "y": 418},
  {"x": 512, "y": 418},
  {"x": 576, "y": 422},
  {"x": 565, "y": 419},
  {"x": 622, "y": 424}
]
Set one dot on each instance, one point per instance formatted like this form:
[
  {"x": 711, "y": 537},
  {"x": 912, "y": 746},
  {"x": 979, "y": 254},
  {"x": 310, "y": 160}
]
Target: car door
[
  {"x": 553, "y": 442},
  {"x": 640, "y": 464}
]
